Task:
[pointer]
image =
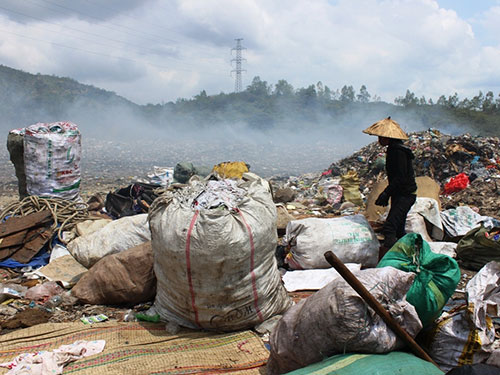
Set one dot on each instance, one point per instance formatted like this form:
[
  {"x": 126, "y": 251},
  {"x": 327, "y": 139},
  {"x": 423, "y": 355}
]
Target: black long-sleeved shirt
[{"x": 399, "y": 169}]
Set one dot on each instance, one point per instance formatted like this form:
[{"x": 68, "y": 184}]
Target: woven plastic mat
[{"x": 143, "y": 348}]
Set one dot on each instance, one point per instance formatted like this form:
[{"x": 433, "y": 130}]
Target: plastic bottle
[{"x": 53, "y": 301}]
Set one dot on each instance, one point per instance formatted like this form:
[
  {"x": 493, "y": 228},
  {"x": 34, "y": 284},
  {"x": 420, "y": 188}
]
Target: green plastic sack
[
  {"x": 479, "y": 247},
  {"x": 373, "y": 364},
  {"x": 437, "y": 275}
]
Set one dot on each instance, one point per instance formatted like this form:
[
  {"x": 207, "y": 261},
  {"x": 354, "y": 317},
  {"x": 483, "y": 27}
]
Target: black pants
[{"x": 394, "y": 226}]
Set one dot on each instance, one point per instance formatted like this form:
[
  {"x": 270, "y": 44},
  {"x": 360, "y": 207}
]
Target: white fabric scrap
[
  {"x": 219, "y": 193},
  {"x": 52, "y": 362},
  {"x": 313, "y": 279}
]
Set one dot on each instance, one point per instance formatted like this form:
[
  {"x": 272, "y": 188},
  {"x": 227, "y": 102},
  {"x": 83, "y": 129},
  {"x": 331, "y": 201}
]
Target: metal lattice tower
[{"x": 238, "y": 59}]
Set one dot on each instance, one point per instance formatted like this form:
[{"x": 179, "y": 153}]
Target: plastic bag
[
  {"x": 437, "y": 275},
  {"x": 466, "y": 335},
  {"x": 52, "y": 155},
  {"x": 337, "y": 320},
  {"x": 351, "y": 237},
  {"x": 478, "y": 247},
  {"x": 42, "y": 292},
  {"x": 117, "y": 236},
  {"x": 214, "y": 255},
  {"x": 457, "y": 183}
]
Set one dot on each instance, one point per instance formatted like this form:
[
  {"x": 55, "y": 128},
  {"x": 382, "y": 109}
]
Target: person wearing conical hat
[{"x": 402, "y": 187}]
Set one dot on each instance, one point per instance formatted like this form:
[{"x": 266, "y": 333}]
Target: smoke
[{"x": 119, "y": 139}]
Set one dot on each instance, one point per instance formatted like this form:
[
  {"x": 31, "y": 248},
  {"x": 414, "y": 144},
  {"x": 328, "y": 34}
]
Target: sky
[{"x": 156, "y": 51}]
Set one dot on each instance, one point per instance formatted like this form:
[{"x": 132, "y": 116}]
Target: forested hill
[{"x": 29, "y": 98}]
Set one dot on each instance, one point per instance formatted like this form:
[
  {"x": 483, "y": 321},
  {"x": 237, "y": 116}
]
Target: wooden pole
[{"x": 375, "y": 305}]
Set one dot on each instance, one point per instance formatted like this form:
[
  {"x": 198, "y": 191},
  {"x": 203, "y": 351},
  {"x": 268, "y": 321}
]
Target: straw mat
[{"x": 143, "y": 348}]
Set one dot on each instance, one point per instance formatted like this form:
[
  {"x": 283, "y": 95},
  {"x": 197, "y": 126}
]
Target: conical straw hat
[{"x": 386, "y": 128}]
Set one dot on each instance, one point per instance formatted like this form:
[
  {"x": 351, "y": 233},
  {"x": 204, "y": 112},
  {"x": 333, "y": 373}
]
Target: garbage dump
[
  {"x": 210, "y": 253},
  {"x": 437, "y": 155}
]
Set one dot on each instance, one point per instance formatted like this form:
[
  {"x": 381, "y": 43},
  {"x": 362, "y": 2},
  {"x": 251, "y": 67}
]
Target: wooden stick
[{"x": 375, "y": 305}]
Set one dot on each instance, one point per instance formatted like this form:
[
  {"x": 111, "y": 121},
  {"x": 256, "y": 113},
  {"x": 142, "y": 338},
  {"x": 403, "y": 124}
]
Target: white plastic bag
[
  {"x": 336, "y": 320},
  {"x": 351, "y": 238},
  {"x": 312, "y": 279},
  {"x": 428, "y": 208},
  {"x": 214, "y": 257},
  {"x": 466, "y": 334},
  {"x": 458, "y": 221},
  {"x": 52, "y": 155},
  {"x": 117, "y": 236},
  {"x": 415, "y": 223}
]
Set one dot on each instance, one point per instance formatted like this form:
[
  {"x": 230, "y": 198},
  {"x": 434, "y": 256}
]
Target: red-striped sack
[{"x": 214, "y": 245}]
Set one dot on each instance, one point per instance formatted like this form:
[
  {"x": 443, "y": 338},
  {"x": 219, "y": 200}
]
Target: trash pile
[
  {"x": 440, "y": 157},
  {"x": 292, "y": 265}
]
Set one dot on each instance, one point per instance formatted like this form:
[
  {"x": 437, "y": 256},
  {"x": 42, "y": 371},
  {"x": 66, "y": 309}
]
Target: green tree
[
  {"x": 477, "y": 101},
  {"x": 363, "y": 96},
  {"x": 453, "y": 101},
  {"x": 347, "y": 94},
  {"x": 307, "y": 95},
  {"x": 410, "y": 99},
  {"x": 283, "y": 88},
  {"x": 442, "y": 101},
  {"x": 488, "y": 102},
  {"x": 258, "y": 87}
]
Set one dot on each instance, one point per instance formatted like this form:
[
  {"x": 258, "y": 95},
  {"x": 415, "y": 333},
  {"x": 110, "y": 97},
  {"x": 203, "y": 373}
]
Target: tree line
[{"x": 29, "y": 98}]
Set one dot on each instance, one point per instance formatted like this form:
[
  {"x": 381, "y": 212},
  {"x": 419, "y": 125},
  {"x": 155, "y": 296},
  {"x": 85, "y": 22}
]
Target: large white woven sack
[
  {"x": 52, "y": 155},
  {"x": 215, "y": 267},
  {"x": 337, "y": 320},
  {"x": 117, "y": 236},
  {"x": 351, "y": 238}
]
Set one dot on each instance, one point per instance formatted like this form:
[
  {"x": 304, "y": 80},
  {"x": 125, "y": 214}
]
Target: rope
[{"x": 65, "y": 213}]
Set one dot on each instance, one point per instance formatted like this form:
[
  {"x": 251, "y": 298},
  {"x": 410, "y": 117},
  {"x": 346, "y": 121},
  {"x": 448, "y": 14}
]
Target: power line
[
  {"x": 238, "y": 60},
  {"x": 136, "y": 32},
  {"x": 66, "y": 27},
  {"x": 96, "y": 42},
  {"x": 105, "y": 23},
  {"x": 98, "y": 53}
]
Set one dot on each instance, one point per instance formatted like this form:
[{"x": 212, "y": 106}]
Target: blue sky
[{"x": 153, "y": 51}]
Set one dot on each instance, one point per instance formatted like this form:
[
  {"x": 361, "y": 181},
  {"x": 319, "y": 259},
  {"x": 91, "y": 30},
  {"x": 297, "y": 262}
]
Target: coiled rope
[{"x": 65, "y": 213}]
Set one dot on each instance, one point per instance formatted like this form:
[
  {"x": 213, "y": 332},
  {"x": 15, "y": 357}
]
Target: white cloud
[{"x": 160, "y": 50}]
